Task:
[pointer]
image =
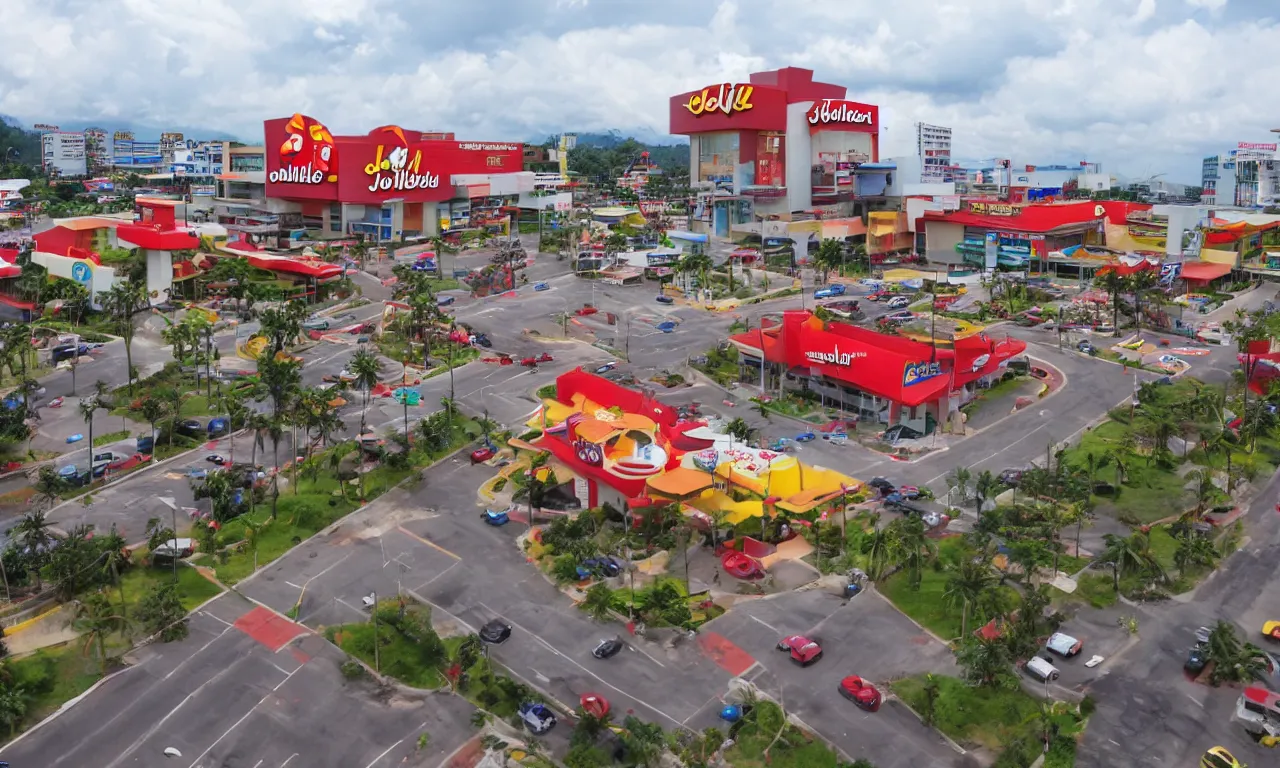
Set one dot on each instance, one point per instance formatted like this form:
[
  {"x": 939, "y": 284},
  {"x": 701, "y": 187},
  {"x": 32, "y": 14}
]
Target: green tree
[
  {"x": 967, "y": 586},
  {"x": 739, "y": 429},
  {"x": 123, "y": 301},
  {"x": 829, "y": 256},
  {"x": 598, "y": 601},
  {"x": 95, "y": 618},
  {"x": 115, "y": 559},
  {"x": 13, "y": 705},
  {"x": 912, "y": 548},
  {"x": 160, "y": 612},
  {"x": 985, "y": 488},
  {"x": 1193, "y": 551},
  {"x": 365, "y": 368},
  {"x": 153, "y": 410},
  {"x": 985, "y": 662},
  {"x": 33, "y": 533},
  {"x": 1233, "y": 661},
  {"x": 960, "y": 479},
  {"x": 1114, "y": 284},
  {"x": 1131, "y": 554}
]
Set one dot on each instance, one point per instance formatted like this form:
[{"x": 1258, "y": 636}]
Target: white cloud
[{"x": 1131, "y": 83}]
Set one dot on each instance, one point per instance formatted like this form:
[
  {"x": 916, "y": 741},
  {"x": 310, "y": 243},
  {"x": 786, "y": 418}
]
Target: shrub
[{"x": 565, "y": 568}]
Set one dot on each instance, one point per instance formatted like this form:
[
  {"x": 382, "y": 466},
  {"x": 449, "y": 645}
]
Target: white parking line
[
  {"x": 762, "y": 621},
  {"x": 384, "y": 754},
  {"x": 197, "y": 653},
  {"x": 237, "y": 723},
  {"x": 288, "y": 760}
]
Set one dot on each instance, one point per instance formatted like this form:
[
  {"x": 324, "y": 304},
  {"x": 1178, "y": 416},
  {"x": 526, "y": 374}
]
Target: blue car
[
  {"x": 667, "y": 326},
  {"x": 806, "y": 437},
  {"x": 496, "y": 518},
  {"x": 829, "y": 292},
  {"x": 444, "y": 301},
  {"x": 541, "y": 286},
  {"x": 538, "y": 718},
  {"x": 422, "y": 266}
]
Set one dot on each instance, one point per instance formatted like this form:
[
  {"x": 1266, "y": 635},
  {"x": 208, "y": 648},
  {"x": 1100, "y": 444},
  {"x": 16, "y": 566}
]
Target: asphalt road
[{"x": 236, "y": 694}]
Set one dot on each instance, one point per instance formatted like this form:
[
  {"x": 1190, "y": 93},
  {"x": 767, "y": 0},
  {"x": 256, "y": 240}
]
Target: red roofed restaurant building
[
  {"x": 885, "y": 379},
  {"x": 992, "y": 233},
  {"x": 778, "y": 144}
]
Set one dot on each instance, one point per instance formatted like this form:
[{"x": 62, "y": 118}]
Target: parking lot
[
  {"x": 864, "y": 636},
  {"x": 245, "y": 689}
]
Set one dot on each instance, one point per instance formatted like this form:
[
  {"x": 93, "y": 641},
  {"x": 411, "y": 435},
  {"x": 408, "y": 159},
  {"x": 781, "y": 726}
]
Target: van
[{"x": 1041, "y": 670}]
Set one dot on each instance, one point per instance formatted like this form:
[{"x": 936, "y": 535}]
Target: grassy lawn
[
  {"x": 1095, "y": 589},
  {"x": 52, "y": 676},
  {"x": 110, "y": 437},
  {"x": 997, "y": 390},
  {"x": 1149, "y": 492},
  {"x": 927, "y": 604},
  {"x": 194, "y": 405},
  {"x": 1004, "y": 721},
  {"x": 795, "y": 749},
  {"x": 398, "y": 656},
  {"x": 193, "y": 588}
]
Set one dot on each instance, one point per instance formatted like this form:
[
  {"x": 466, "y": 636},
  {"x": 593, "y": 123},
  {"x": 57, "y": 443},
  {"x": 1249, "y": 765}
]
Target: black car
[
  {"x": 607, "y": 649},
  {"x": 882, "y": 486},
  {"x": 483, "y": 341},
  {"x": 901, "y": 432},
  {"x": 495, "y": 632},
  {"x": 190, "y": 427},
  {"x": 1197, "y": 660}
]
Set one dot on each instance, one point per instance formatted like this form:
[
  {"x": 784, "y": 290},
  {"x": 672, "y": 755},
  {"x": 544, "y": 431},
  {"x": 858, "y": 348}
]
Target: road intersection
[{"x": 425, "y": 540}]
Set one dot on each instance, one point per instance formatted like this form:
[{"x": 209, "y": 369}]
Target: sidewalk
[{"x": 52, "y": 628}]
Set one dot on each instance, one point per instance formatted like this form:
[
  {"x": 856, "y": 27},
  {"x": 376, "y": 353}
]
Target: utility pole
[{"x": 377, "y": 662}]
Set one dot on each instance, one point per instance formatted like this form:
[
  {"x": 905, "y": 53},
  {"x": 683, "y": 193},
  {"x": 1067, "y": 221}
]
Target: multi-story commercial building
[
  {"x": 63, "y": 153},
  {"x": 130, "y": 154},
  {"x": 933, "y": 147},
  {"x": 778, "y": 145},
  {"x": 1245, "y": 177}
]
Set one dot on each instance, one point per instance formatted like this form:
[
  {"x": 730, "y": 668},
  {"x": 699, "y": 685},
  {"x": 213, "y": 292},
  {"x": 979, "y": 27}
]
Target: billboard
[
  {"x": 729, "y": 107},
  {"x": 305, "y": 161}
]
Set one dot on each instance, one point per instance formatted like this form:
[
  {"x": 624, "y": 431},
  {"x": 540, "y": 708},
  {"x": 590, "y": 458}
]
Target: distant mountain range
[
  {"x": 613, "y": 137},
  {"x": 141, "y": 130}
]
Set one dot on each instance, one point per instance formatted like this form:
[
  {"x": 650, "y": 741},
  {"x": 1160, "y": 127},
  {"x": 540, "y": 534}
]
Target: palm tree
[
  {"x": 967, "y": 586},
  {"x": 959, "y": 479},
  {"x": 1233, "y": 661},
  {"x": 598, "y": 601},
  {"x": 153, "y": 410},
  {"x": 985, "y": 488},
  {"x": 984, "y": 661},
  {"x": 1139, "y": 283},
  {"x": 911, "y": 547},
  {"x": 95, "y": 618},
  {"x": 32, "y": 532},
  {"x": 365, "y": 368},
  {"x": 115, "y": 558},
  {"x": 1113, "y": 283},
  {"x": 122, "y": 301},
  {"x": 829, "y": 256},
  {"x": 275, "y": 430},
  {"x": 1130, "y": 554},
  {"x": 1194, "y": 551},
  {"x": 739, "y": 429},
  {"x": 13, "y": 705},
  {"x": 88, "y": 407}
]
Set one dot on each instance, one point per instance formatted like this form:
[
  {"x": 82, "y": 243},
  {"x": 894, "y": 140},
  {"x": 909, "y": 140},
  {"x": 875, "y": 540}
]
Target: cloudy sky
[{"x": 1143, "y": 86}]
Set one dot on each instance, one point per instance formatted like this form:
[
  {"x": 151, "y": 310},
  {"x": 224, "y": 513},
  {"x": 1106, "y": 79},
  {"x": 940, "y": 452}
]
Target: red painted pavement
[
  {"x": 724, "y": 652},
  {"x": 269, "y": 629}
]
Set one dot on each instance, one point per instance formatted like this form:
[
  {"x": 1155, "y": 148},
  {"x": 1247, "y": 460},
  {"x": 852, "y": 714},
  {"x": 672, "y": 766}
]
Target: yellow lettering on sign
[
  {"x": 727, "y": 98},
  {"x": 376, "y": 165}
]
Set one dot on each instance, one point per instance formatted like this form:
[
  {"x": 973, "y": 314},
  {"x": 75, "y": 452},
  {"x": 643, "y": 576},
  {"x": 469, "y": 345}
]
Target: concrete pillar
[{"x": 159, "y": 275}]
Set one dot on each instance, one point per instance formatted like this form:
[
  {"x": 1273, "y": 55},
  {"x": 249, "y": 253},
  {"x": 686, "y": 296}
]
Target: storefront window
[
  {"x": 717, "y": 157},
  {"x": 770, "y": 160}
]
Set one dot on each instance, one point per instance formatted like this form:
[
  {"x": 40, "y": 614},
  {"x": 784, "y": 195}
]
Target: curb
[
  {"x": 67, "y": 705},
  {"x": 23, "y": 625}
]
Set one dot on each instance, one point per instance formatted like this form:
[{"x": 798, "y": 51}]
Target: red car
[
  {"x": 586, "y": 311},
  {"x": 529, "y": 362},
  {"x": 860, "y": 692},
  {"x": 803, "y": 650},
  {"x": 482, "y": 454},
  {"x": 545, "y": 357},
  {"x": 881, "y": 296}
]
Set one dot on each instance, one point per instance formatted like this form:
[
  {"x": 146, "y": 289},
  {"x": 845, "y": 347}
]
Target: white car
[{"x": 898, "y": 302}]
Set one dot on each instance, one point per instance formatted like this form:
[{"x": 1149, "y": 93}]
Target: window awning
[{"x": 1204, "y": 271}]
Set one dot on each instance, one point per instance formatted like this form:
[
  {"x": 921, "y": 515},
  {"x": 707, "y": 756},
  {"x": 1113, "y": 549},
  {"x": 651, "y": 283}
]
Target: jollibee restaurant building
[
  {"x": 391, "y": 183},
  {"x": 883, "y": 378},
  {"x": 780, "y": 144}
]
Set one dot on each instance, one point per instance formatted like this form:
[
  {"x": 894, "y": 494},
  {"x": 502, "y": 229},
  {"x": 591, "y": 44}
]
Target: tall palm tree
[
  {"x": 94, "y": 618},
  {"x": 985, "y": 488},
  {"x": 1130, "y": 554},
  {"x": 1233, "y": 661},
  {"x": 33, "y": 533},
  {"x": 911, "y": 547},
  {"x": 1114, "y": 284},
  {"x": 275, "y": 430},
  {"x": 365, "y": 368},
  {"x": 959, "y": 479},
  {"x": 115, "y": 558},
  {"x": 1139, "y": 283},
  {"x": 123, "y": 301},
  {"x": 967, "y": 586}
]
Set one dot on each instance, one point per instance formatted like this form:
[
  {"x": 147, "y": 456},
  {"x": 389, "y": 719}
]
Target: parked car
[
  {"x": 495, "y": 632},
  {"x": 1064, "y": 645},
  {"x": 538, "y": 718},
  {"x": 861, "y": 693},
  {"x": 881, "y": 295},
  {"x": 444, "y": 301},
  {"x": 831, "y": 291},
  {"x": 607, "y": 649},
  {"x": 1041, "y": 670},
  {"x": 898, "y": 302},
  {"x": 900, "y": 432},
  {"x": 585, "y": 311},
  {"x": 1087, "y": 347},
  {"x": 483, "y": 340},
  {"x": 806, "y": 437},
  {"x": 1272, "y": 630},
  {"x": 1197, "y": 660},
  {"x": 541, "y": 286},
  {"x": 1011, "y": 477},
  {"x": 609, "y": 366},
  {"x": 881, "y": 485},
  {"x": 215, "y": 458},
  {"x": 664, "y": 299},
  {"x": 803, "y": 650},
  {"x": 483, "y": 454}
]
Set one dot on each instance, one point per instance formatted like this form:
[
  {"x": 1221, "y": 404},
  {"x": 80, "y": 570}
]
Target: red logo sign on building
[
  {"x": 308, "y": 154},
  {"x": 840, "y": 115}
]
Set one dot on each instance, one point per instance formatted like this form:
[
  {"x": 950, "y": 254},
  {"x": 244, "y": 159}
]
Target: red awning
[{"x": 1203, "y": 271}]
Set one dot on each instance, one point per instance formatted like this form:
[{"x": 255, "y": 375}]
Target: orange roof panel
[{"x": 680, "y": 481}]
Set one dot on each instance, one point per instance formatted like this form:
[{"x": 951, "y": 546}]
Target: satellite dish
[{"x": 172, "y": 752}]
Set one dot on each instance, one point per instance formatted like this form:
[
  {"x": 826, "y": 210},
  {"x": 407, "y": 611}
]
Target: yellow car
[
  {"x": 1219, "y": 757},
  {"x": 1272, "y": 630}
]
